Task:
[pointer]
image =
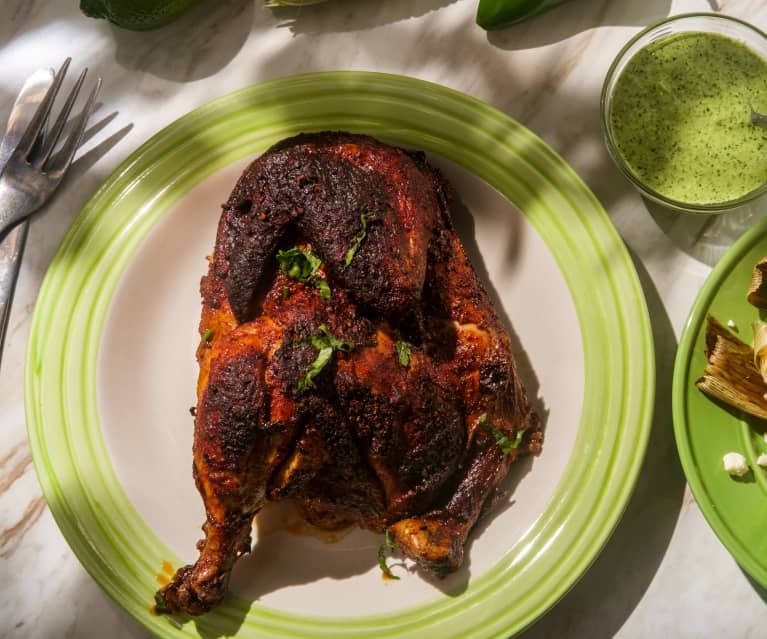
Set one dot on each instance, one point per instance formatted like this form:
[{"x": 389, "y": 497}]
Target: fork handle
[{"x": 11, "y": 251}]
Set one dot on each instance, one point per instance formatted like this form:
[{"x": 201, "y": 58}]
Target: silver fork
[
  {"x": 12, "y": 245},
  {"x": 29, "y": 179},
  {"x": 27, "y": 159}
]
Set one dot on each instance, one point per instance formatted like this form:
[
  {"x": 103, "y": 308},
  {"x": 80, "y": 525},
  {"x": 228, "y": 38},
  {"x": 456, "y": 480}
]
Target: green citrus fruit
[{"x": 136, "y": 15}]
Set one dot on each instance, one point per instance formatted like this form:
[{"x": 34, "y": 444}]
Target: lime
[{"x": 136, "y": 15}]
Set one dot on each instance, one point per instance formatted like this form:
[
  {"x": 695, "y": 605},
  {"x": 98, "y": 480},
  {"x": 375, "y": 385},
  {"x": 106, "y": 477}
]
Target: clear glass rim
[{"x": 612, "y": 149}]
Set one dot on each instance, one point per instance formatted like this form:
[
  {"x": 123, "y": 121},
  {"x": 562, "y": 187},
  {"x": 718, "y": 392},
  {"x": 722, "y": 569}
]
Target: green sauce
[{"x": 680, "y": 117}]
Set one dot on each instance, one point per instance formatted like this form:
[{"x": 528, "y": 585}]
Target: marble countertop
[{"x": 663, "y": 572}]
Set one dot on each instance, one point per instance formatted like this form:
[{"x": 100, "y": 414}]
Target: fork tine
[
  {"x": 55, "y": 132},
  {"x": 64, "y": 158},
  {"x": 32, "y": 131}
]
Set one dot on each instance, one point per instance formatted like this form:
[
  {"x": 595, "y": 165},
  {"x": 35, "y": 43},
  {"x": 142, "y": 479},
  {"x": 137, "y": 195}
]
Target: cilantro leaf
[
  {"x": 302, "y": 266},
  {"x": 504, "y": 443},
  {"x": 328, "y": 339},
  {"x": 298, "y": 264},
  {"x": 326, "y": 344},
  {"x": 386, "y": 546},
  {"x": 322, "y": 284},
  {"x": 161, "y": 606},
  {"x": 364, "y": 217},
  {"x": 403, "y": 351},
  {"x": 314, "y": 369},
  {"x": 207, "y": 335}
]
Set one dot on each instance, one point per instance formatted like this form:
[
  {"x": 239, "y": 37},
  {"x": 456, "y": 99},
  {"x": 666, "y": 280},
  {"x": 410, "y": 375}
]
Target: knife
[{"x": 12, "y": 244}]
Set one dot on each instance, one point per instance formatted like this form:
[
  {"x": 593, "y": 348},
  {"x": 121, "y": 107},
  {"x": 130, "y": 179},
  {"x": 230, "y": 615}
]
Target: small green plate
[
  {"x": 111, "y": 539},
  {"x": 705, "y": 431}
]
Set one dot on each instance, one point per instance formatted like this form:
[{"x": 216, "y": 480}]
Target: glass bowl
[{"x": 732, "y": 28}]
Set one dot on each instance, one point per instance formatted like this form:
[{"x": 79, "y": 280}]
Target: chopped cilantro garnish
[
  {"x": 302, "y": 266},
  {"x": 323, "y": 357},
  {"x": 403, "y": 351},
  {"x": 298, "y": 264},
  {"x": 504, "y": 443},
  {"x": 386, "y": 546},
  {"x": 160, "y": 604},
  {"x": 322, "y": 284},
  {"x": 364, "y": 217},
  {"x": 207, "y": 335},
  {"x": 326, "y": 343},
  {"x": 326, "y": 338}
]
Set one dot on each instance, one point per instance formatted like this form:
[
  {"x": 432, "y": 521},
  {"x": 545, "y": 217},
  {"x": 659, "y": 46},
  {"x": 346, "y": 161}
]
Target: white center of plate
[{"x": 146, "y": 385}]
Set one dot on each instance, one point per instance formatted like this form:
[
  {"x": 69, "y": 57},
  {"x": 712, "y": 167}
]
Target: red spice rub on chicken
[{"x": 350, "y": 361}]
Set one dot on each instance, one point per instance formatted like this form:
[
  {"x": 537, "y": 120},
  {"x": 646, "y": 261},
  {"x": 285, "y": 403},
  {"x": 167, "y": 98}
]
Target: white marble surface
[{"x": 663, "y": 573}]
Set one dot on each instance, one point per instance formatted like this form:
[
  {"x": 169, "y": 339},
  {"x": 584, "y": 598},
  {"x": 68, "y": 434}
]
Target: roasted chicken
[{"x": 350, "y": 361}]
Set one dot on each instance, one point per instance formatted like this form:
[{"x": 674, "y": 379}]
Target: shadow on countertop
[
  {"x": 706, "y": 237},
  {"x": 601, "y": 602},
  {"x": 553, "y": 26},
  {"x": 758, "y": 588},
  {"x": 568, "y": 19},
  {"x": 357, "y": 15},
  {"x": 195, "y": 46}
]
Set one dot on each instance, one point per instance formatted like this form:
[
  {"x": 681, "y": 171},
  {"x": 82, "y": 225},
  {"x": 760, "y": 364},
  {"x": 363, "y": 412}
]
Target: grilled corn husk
[
  {"x": 731, "y": 375},
  {"x": 757, "y": 291},
  {"x": 760, "y": 348}
]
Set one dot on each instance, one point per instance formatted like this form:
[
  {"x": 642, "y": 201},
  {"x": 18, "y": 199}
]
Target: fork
[
  {"x": 28, "y": 166},
  {"x": 30, "y": 178},
  {"x": 12, "y": 245}
]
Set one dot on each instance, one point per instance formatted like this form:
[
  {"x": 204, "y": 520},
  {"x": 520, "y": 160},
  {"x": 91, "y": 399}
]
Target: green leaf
[
  {"x": 161, "y": 606},
  {"x": 328, "y": 339},
  {"x": 322, "y": 284},
  {"x": 207, "y": 335},
  {"x": 403, "y": 351},
  {"x": 298, "y": 264},
  {"x": 314, "y": 369},
  {"x": 504, "y": 443},
  {"x": 358, "y": 238},
  {"x": 326, "y": 343},
  {"x": 386, "y": 546},
  {"x": 302, "y": 266}
]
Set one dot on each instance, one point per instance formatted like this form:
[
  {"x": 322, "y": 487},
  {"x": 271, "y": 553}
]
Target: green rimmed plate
[
  {"x": 705, "y": 431},
  {"x": 107, "y": 324}
]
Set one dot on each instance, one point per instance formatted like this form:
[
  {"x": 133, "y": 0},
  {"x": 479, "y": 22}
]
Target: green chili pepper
[{"x": 496, "y": 14}]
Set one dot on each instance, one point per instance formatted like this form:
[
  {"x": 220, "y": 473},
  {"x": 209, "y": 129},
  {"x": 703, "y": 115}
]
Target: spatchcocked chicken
[{"x": 350, "y": 361}]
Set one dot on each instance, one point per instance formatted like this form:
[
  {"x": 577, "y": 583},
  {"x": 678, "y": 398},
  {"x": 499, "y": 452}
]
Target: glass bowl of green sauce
[{"x": 676, "y": 112}]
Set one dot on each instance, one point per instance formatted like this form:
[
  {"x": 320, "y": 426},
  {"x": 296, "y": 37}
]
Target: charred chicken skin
[{"x": 350, "y": 361}]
